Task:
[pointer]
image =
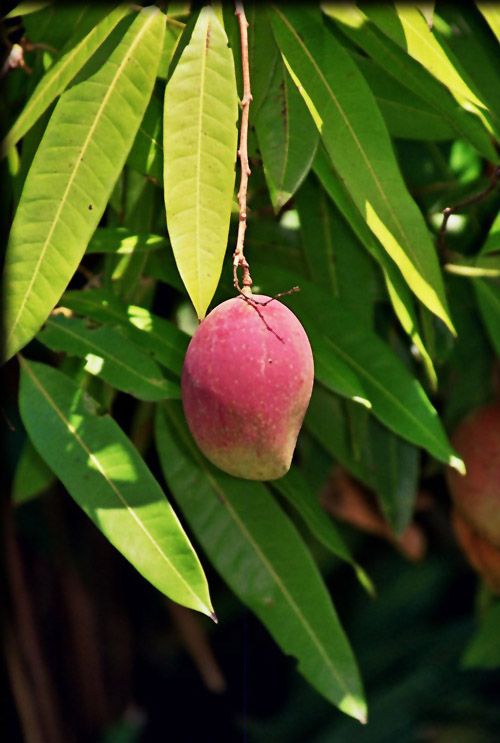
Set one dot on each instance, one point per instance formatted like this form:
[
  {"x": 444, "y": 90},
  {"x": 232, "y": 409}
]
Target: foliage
[{"x": 120, "y": 151}]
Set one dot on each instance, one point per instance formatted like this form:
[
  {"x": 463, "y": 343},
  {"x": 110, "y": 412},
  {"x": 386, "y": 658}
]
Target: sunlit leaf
[
  {"x": 88, "y": 136},
  {"x": 201, "y": 110},
  {"x": 104, "y": 473},
  {"x": 355, "y": 135}
]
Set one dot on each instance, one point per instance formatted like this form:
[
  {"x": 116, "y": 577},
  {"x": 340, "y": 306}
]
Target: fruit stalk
[{"x": 239, "y": 255}]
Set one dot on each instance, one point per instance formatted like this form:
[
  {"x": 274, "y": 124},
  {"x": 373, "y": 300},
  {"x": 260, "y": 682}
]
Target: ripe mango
[
  {"x": 476, "y": 495},
  {"x": 246, "y": 383}
]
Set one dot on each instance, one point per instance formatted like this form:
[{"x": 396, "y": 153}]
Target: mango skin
[
  {"x": 244, "y": 391},
  {"x": 482, "y": 556},
  {"x": 476, "y": 495}
]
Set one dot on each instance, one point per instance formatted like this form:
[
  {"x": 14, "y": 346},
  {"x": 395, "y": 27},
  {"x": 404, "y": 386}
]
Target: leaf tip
[
  {"x": 457, "y": 464},
  {"x": 362, "y": 401},
  {"x": 356, "y": 708},
  {"x": 213, "y": 617}
]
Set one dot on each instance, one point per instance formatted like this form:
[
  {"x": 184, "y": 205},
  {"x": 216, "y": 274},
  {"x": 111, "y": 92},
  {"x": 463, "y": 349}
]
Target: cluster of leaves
[{"x": 365, "y": 124}]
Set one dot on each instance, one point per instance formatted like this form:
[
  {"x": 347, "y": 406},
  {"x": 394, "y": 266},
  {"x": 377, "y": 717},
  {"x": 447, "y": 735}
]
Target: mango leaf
[
  {"x": 93, "y": 122},
  {"x": 336, "y": 260},
  {"x": 492, "y": 14},
  {"x": 146, "y": 155},
  {"x": 407, "y": 28},
  {"x": 461, "y": 33},
  {"x": 166, "y": 343},
  {"x": 32, "y": 476},
  {"x": 406, "y": 114},
  {"x": 79, "y": 48},
  {"x": 488, "y": 301},
  {"x": 263, "y": 56},
  {"x": 492, "y": 243},
  {"x": 396, "y": 397},
  {"x": 427, "y": 10},
  {"x": 109, "y": 355},
  {"x": 200, "y": 115},
  {"x": 172, "y": 35},
  {"x": 26, "y": 8},
  {"x": 399, "y": 293},
  {"x": 236, "y": 522},
  {"x": 296, "y": 489},
  {"x": 287, "y": 137},
  {"x": 105, "y": 475},
  {"x": 410, "y": 73},
  {"x": 121, "y": 241},
  {"x": 355, "y": 135},
  {"x": 483, "y": 650}
]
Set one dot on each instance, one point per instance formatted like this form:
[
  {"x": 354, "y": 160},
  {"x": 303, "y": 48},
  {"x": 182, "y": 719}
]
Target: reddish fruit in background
[
  {"x": 483, "y": 557},
  {"x": 246, "y": 384},
  {"x": 477, "y": 494}
]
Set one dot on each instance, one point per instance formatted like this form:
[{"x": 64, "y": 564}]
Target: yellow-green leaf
[{"x": 200, "y": 140}]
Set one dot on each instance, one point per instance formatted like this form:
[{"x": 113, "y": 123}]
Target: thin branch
[
  {"x": 466, "y": 202},
  {"x": 239, "y": 255}
]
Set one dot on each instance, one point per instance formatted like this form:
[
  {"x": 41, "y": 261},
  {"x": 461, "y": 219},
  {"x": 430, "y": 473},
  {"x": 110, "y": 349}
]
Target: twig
[
  {"x": 239, "y": 256},
  {"x": 495, "y": 178}
]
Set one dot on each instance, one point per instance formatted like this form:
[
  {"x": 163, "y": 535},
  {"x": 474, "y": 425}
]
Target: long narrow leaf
[
  {"x": 237, "y": 522},
  {"x": 89, "y": 136},
  {"x": 104, "y": 473},
  {"x": 201, "y": 110}
]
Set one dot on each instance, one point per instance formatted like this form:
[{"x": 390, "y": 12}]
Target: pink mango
[{"x": 246, "y": 384}]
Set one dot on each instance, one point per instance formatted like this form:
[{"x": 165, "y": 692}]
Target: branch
[
  {"x": 495, "y": 178},
  {"x": 239, "y": 256}
]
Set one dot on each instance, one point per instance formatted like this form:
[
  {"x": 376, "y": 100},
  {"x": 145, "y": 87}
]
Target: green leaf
[
  {"x": 394, "y": 465},
  {"x": 488, "y": 300},
  {"x": 26, "y": 8},
  {"x": 355, "y": 135},
  {"x": 492, "y": 14},
  {"x": 396, "y": 397},
  {"x": 406, "y": 26},
  {"x": 483, "y": 650},
  {"x": 296, "y": 489},
  {"x": 263, "y": 56},
  {"x": 105, "y": 475},
  {"x": 32, "y": 476},
  {"x": 399, "y": 293},
  {"x": 79, "y": 48},
  {"x": 287, "y": 137},
  {"x": 121, "y": 241},
  {"x": 161, "y": 338},
  {"x": 109, "y": 355},
  {"x": 427, "y": 10},
  {"x": 492, "y": 244},
  {"x": 410, "y": 73},
  {"x": 93, "y": 123},
  {"x": 201, "y": 111},
  {"x": 335, "y": 258},
  {"x": 146, "y": 155},
  {"x": 406, "y": 114},
  {"x": 236, "y": 522}
]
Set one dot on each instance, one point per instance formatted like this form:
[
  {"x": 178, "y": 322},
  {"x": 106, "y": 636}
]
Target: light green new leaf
[
  {"x": 161, "y": 338},
  {"x": 121, "y": 241},
  {"x": 106, "y": 476},
  {"x": 32, "y": 476},
  {"x": 296, "y": 489},
  {"x": 109, "y": 355},
  {"x": 427, "y": 10},
  {"x": 396, "y": 397},
  {"x": 79, "y": 48},
  {"x": 355, "y": 135},
  {"x": 411, "y": 74},
  {"x": 200, "y": 136},
  {"x": 287, "y": 137},
  {"x": 488, "y": 300},
  {"x": 399, "y": 293},
  {"x": 70, "y": 181},
  {"x": 236, "y": 522}
]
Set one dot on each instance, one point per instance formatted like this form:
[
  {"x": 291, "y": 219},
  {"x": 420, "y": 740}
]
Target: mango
[
  {"x": 476, "y": 495},
  {"x": 246, "y": 383},
  {"x": 482, "y": 556}
]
